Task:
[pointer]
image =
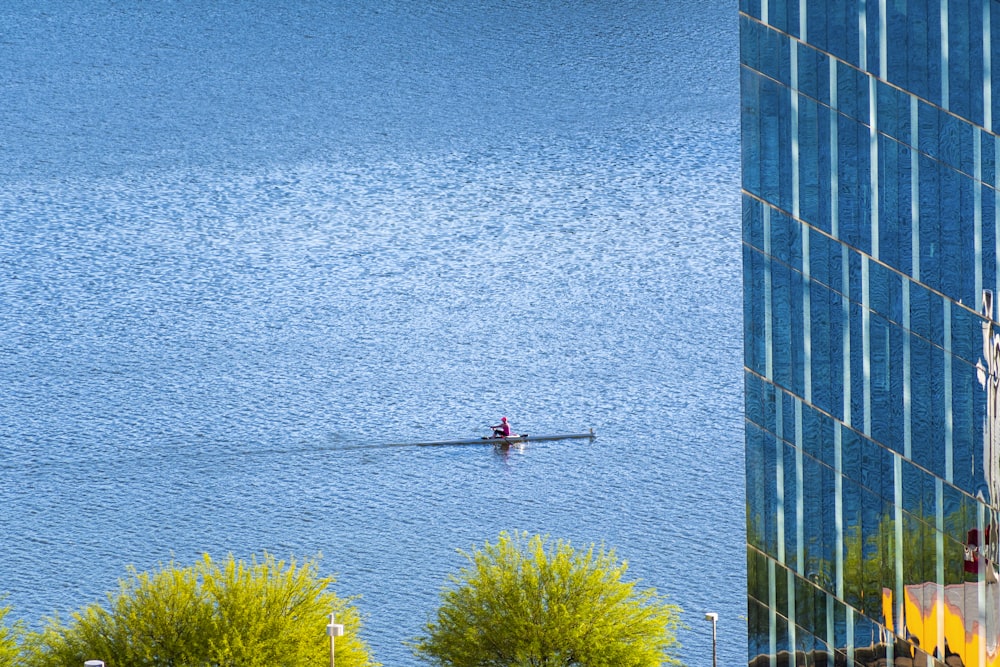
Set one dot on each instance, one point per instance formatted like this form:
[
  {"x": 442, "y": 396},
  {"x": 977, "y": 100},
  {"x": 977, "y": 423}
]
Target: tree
[
  {"x": 9, "y": 650},
  {"x": 238, "y": 615},
  {"x": 532, "y": 602}
]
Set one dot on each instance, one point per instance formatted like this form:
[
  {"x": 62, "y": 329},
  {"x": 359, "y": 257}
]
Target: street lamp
[
  {"x": 94, "y": 663},
  {"x": 334, "y": 630},
  {"x": 712, "y": 617}
]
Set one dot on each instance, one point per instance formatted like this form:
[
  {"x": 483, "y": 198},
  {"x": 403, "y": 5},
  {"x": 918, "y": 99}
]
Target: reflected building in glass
[{"x": 871, "y": 238}]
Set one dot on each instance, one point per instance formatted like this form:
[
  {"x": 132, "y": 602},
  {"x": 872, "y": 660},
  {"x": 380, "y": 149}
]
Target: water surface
[{"x": 243, "y": 246}]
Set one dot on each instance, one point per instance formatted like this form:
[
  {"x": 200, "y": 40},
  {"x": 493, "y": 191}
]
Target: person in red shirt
[{"x": 501, "y": 430}]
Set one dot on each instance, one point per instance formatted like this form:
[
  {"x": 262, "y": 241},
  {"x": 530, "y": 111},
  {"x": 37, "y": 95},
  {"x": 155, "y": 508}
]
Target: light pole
[
  {"x": 711, "y": 616},
  {"x": 334, "y": 630}
]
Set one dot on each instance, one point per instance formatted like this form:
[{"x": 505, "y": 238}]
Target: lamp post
[
  {"x": 712, "y": 617},
  {"x": 334, "y": 630}
]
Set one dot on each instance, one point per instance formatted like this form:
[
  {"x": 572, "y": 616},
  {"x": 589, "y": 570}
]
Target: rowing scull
[{"x": 502, "y": 442}]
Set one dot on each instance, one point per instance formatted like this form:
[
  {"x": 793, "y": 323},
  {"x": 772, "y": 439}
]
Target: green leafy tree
[
  {"x": 264, "y": 613},
  {"x": 9, "y": 650},
  {"x": 532, "y": 602}
]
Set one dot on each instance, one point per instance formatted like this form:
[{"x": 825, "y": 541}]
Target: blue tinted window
[
  {"x": 833, "y": 27},
  {"x": 965, "y": 58},
  {"x": 805, "y": 644},
  {"x": 772, "y": 99},
  {"x": 929, "y": 132},
  {"x": 955, "y": 143},
  {"x": 751, "y": 7},
  {"x": 828, "y": 392},
  {"x": 887, "y": 384},
  {"x": 817, "y": 435},
  {"x": 857, "y": 406},
  {"x": 927, "y": 404},
  {"x": 754, "y": 313},
  {"x": 819, "y": 257},
  {"x": 757, "y": 576},
  {"x": 898, "y": 56},
  {"x": 824, "y": 194},
  {"x": 786, "y": 241},
  {"x": 788, "y": 416},
  {"x": 872, "y": 55},
  {"x": 926, "y": 312},
  {"x": 791, "y": 496},
  {"x": 853, "y": 539},
  {"x": 766, "y": 495},
  {"x": 957, "y": 237},
  {"x": 989, "y": 238},
  {"x": 895, "y": 227},
  {"x": 750, "y": 35},
  {"x": 775, "y": 56},
  {"x": 825, "y": 364},
  {"x": 788, "y": 343},
  {"x": 871, "y": 465},
  {"x": 930, "y": 223},
  {"x": 914, "y": 493},
  {"x": 813, "y": 126},
  {"x": 781, "y": 629},
  {"x": 855, "y": 278},
  {"x": 960, "y": 513},
  {"x": 850, "y": 454},
  {"x": 828, "y": 548},
  {"x": 784, "y": 155},
  {"x": 966, "y": 433},
  {"x": 753, "y": 222},
  {"x": 886, "y": 292},
  {"x": 916, "y": 62},
  {"x": 781, "y": 330},
  {"x": 994, "y": 12},
  {"x": 759, "y": 401},
  {"x": 837, "y": 253},
  {"x": 758, "y": 629},
  {"x": 966, "y": 334},
  {"x": 854, "y": 181},
  {"x": 785, "y": 17},
  {"x": 876, "y": 567},
  {"x": 797, "y": 335},
  {"x": 852, "y": 93},
  {"x": 814, "y": 74},
  {"x": 750, "y": 135},
  {"x": 920, "y": 566},
  {"x": 893, "y": 112},
  {"x": 987, "y": 144},
  {"x": 758, "y": 498}
]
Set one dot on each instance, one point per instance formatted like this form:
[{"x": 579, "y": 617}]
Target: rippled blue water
[{"x": 243, "y": 245}]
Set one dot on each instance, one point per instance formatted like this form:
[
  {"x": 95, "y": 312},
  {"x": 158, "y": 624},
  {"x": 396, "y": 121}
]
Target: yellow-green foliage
[
  {"x": 532, "y": 602},
  {"x": 8, "y": 639},
  {"x": 264, "y": 613}
]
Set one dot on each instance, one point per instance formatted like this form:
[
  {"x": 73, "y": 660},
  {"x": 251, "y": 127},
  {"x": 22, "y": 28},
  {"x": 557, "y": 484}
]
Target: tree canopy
[
  {"x": 532, "y": 602},
  {"x": 259, "y": 614},
  {"x": 8, "y": 638}
]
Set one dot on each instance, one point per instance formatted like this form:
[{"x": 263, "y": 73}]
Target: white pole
[
  {"x": 712, "y": 617},
  {"x": 334, "y": 630}
]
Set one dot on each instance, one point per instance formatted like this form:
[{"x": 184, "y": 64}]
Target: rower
[{"x": 501, "y": 430}]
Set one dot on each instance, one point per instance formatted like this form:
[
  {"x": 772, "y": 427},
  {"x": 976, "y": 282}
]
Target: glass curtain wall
[{"x": 871, "y": 237}]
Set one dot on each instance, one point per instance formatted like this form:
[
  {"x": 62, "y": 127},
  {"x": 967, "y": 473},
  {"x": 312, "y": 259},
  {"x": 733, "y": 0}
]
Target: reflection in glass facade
[{"x": 871, "y": 240}]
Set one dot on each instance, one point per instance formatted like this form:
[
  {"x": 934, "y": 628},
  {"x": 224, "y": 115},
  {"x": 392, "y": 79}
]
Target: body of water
[{"x": 244, "y": 245}]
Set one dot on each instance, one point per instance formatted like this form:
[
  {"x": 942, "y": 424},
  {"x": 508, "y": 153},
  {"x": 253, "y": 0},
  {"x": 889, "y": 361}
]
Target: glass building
[{"x": 871, "y": 240}]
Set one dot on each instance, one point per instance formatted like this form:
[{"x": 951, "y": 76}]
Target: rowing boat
[{"x": 509, "y": 440}]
